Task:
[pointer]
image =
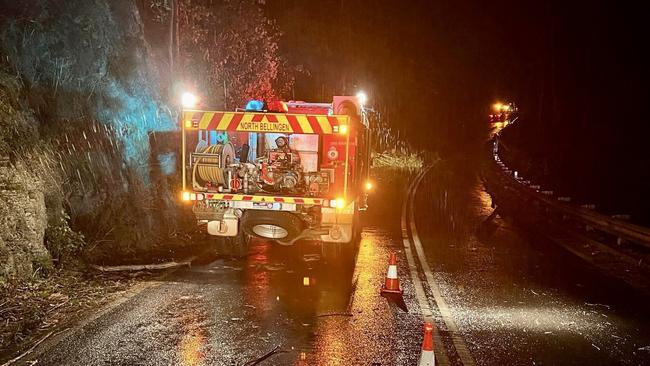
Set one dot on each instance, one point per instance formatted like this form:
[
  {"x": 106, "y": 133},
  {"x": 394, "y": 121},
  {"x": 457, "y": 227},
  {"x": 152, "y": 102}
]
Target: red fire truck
[{"x": 279, "y": 171}]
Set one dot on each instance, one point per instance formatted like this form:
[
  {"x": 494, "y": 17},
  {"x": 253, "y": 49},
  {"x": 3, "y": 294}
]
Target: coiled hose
[{"x": 211, "y": 168}]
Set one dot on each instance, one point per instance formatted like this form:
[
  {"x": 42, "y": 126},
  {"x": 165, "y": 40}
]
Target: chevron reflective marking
[
  {"x": 263, "y": 122},
  {"x": 269, "y": 199}
]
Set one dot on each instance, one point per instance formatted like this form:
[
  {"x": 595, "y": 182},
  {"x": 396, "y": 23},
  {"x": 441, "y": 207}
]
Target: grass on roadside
[{"x": 388, "y": 159}]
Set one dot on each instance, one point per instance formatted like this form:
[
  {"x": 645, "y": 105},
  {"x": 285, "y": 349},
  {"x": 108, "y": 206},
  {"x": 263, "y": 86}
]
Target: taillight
[
  {"x": 189, "y": 196},
  {"x": 337, "y": 203}
]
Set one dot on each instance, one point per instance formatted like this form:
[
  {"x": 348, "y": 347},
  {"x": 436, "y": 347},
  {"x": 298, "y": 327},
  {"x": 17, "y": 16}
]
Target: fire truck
[{"x": 281, "y": 171}]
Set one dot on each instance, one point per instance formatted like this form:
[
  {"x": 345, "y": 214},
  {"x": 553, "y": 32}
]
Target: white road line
[
  {"x": 445, "y": 312},
  {"x": 427, "y": 314}
]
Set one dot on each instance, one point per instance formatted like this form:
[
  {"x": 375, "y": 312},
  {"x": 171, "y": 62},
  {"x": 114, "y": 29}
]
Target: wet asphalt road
[
  {"x": 516, "y": 301},
  {"x": 232, "y": 312},
  {"x": 521, "y": 300}
]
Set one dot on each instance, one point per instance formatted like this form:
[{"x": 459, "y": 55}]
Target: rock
[{"x": 22, "y": 226}]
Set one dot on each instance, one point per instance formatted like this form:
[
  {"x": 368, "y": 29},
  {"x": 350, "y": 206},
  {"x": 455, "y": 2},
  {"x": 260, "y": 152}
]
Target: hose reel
[{"x": 210, "y": 163}]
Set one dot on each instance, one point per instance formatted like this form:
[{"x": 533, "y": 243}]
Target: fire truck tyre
[{"x": 273, "y": 225}]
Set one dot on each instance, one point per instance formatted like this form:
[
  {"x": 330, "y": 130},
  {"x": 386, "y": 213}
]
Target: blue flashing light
[{"x": 255, "y": 105}]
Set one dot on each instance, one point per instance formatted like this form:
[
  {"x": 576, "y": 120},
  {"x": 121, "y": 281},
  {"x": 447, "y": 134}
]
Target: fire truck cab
[{"x": 279, "y": 171}]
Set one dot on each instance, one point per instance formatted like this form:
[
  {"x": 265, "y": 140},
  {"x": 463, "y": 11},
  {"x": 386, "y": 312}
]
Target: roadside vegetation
[
  {"x": 389, "y": 150},
  {"x": 88, "y": 112}
]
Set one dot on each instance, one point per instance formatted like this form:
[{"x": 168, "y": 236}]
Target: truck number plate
[
  {"x": 270, "y": 206},
  {"x": 274, "y": 206}
]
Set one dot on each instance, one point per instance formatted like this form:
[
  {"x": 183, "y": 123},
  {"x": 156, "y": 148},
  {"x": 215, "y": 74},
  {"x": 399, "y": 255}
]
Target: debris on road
[
  {"x": 274, "y": 351},
  {"x": 142, "y": 267},
  {"x": 34, "y": 309}
]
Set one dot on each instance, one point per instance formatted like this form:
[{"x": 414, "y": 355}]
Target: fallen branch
[
  {"x": 334, "y": 314},
  {"x": 29, "y": 350},
  {"x": 274, "y": 351},
  {"x": 142, "y": 267}
]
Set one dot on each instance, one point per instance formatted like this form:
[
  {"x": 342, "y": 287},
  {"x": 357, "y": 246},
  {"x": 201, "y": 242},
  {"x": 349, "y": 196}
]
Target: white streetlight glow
[
  {"x": 363, "y": 98},
  {"x": 189, "y": 100}
]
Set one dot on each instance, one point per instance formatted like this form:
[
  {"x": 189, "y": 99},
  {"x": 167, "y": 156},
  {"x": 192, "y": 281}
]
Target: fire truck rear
[{"x": 279, "y": 171}]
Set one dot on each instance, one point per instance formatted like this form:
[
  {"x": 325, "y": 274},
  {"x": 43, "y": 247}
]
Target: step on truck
[{"x": 280, "y": 171}]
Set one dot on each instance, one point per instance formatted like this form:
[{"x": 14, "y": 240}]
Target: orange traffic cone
[
  {"x": 391, "y": 284},
  {"x": 391, "y": 289},
  {"x": 427, "y": 357}
]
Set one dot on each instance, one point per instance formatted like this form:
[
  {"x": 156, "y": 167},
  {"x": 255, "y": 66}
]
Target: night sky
[{"x": 576, "y": 70}]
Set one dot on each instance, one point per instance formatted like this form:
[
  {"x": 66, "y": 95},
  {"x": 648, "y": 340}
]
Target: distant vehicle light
[
  {"x": 369, "y": 186},
  {"x": 497, "y": 107},
  {"x": 362, "y": 97},
  {"x": 255, "y": 105},
  {"x": 189, "y": 100}
]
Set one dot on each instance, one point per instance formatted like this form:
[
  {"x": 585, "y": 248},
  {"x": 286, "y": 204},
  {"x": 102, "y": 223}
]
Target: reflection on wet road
[
  {"x": 280, "y": 304},
  {"x": 517, "y": 299}
]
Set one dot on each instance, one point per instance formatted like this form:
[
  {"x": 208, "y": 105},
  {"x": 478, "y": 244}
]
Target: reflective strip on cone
[
  {"x": 427, "y": 357},
  {"x": 392, "y": 282}
]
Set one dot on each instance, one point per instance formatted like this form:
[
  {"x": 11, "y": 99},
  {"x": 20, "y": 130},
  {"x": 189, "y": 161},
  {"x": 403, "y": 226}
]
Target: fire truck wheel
[{"x": 271, "y": 225}]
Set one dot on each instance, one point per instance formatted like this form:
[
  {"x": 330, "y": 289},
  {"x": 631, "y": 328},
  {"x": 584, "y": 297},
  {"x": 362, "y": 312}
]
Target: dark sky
[
  {"x": 577, "y": 70},
  {"x": 451, "y": 59}
]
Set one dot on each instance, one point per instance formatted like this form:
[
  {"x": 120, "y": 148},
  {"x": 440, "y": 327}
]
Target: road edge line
[
  {"x": 420, "y": 294},
  {"x": 445, "y": 312}
]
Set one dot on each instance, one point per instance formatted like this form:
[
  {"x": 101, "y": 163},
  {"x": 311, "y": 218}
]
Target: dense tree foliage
[{"x": 228, "y": 51}]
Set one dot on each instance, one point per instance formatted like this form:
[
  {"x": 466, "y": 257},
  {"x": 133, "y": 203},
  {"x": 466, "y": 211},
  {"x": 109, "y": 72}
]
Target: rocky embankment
[{"x": 23, "y": 220}]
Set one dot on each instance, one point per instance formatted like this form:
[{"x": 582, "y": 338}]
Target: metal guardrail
[{"x": 618, "y": 228}]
